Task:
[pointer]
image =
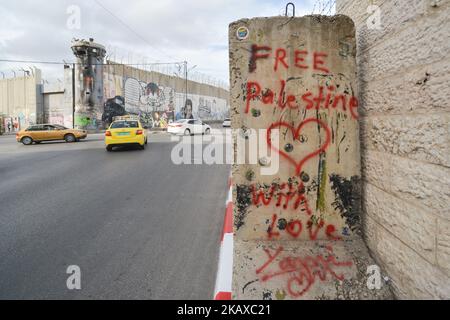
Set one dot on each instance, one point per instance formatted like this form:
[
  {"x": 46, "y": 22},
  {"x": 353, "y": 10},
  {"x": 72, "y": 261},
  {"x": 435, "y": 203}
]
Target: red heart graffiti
[{"x": 296, "y": 134}]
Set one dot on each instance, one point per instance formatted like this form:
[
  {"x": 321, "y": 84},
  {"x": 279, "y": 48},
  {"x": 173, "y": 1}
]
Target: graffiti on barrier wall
[
  {"x": 158, "y": 105},
  {"x": 154, "y": 104},
  {"x": 301, "y": 273},
  {"x": 314, "y": 119}
]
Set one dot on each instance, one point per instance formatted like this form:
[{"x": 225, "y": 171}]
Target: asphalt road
[{"x": 138, "y": 226}]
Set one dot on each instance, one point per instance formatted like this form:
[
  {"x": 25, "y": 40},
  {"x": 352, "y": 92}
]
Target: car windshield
[{"x": 124, "y": 124}]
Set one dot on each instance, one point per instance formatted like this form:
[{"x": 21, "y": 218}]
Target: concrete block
[
  {"x": 297, "y": 229},
  {"x": 280, "y": 65},
  {"x": 291, "y": 270}
]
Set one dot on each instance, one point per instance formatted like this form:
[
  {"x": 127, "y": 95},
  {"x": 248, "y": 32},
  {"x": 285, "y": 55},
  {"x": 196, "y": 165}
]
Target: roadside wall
[
  {"x": 404, "y": 94},
  {"x": 58, "y": 103},
  {"x": 21, "y": 102},
  {"x": 161, "y": 98}
]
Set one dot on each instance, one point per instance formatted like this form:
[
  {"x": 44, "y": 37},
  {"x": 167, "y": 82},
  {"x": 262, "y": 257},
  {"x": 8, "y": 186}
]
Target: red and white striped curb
[{"x": 225, "y": 270}]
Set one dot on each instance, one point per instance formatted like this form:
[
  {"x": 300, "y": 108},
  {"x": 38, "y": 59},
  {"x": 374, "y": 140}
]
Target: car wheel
[
  {"x": 70, "y": 138},
  {"x": 109, "y": 148},
  {"x": 187, "y": 132},
  {"x": 27, "y": 141}
]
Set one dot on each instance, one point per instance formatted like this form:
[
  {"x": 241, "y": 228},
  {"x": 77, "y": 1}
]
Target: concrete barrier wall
[
  {"x": 158, "y": 98},
  {"x": 58, "y": 104},
  {"x": 21, "y": 103},
  {"x": 293, "y": 81},
  {"x": 161, "y": 97}
]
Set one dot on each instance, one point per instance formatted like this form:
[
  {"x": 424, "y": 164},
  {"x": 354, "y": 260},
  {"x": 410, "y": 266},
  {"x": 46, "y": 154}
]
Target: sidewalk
[{"x": 8, "y": 134}]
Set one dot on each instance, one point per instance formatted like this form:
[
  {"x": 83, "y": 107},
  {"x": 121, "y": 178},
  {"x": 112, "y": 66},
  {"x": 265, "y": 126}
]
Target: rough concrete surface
[
  {"x": 297, "y": 77},
  {"x": 322, "y": 270}
]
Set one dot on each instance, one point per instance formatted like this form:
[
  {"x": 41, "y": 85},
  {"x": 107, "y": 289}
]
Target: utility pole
[
  {"x": 73, "y": 95},
  {"x": 186, "y": 72},
  {"x": 186, "y": 87}
]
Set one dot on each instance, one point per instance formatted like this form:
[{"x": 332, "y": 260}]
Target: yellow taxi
[
  {"x": 125, "y": 132},
  {"x": 49, "y": 132}
]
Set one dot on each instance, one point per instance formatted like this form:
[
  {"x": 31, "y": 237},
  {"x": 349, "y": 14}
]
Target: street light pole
[
  {"x": 186, "y": 73},
  {"x": 73, "y": 95},
  {"x": 186, "y": 87}
]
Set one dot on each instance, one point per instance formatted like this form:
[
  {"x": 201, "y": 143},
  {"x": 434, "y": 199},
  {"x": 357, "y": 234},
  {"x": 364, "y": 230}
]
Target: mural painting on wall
[
  {"x": 58, "y": 117},
  {"x": 204, "y": 108},
  {"x": 187, "y": 112},
  {"x": 154, "y": 104},
  {"x": 8, "y": 124}
]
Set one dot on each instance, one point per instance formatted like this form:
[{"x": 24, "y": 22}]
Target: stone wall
[{"x": 404, "y": 93}]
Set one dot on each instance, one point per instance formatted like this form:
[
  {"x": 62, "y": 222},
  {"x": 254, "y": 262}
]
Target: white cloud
[{"x": 192, "y": 30}]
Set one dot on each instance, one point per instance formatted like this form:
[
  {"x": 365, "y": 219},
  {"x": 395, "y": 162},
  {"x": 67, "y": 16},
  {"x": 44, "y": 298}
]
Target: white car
[
  {"x": 227, "y": 123},
  {"x": 189, "y": 127}
]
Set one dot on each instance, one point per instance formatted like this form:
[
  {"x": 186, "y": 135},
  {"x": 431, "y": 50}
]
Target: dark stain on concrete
[
  {"x": 244, "y": 201},
  {"x": 250, "y": 175},
  {"x": 305, "y": 177},
  {"x": 256, "y": 113},
  {"x": 267, "y": 295},
  {"x": 348, "y": 199},
  {"x": 282, "y": 224},
  {"x": 248, "y": 284}
]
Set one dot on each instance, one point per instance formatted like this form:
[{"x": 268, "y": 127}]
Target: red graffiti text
[
  {"x": 286, "y": 194},
  {"x": 325, "y": 98},
  {"x": 300, "y": 59},
  {"x": 301, "y": 273},
  {"x": 295, "y": 229}
]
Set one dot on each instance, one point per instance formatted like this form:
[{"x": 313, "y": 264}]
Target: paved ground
[{"x": 138, "y": 226}]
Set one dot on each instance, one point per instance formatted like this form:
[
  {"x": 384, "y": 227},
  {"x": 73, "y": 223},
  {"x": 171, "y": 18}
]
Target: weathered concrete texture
[
  {"x": 414, "y": 225},
  {"x": 320, "y": 270},
  {"x": 424, "y": 91},
  {"x": 421, "y": 184},
  {"x": 419, "y": 137},
  {"x": 404, "y": 96},
  {"x": 297, "y": 76},
  {"x": 412, "y": 276},
  {"x": 21, "y": 102}
]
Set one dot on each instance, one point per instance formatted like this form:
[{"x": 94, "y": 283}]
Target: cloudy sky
[{"x": 132, "y": 30}]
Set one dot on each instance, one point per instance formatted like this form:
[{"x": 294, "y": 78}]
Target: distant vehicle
[
  {"x": 125, "y": 132},
  {"x": 189, "y": 127},
  {"x": 227, "y": 123},
  {"x": 48, "y": 132}
]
